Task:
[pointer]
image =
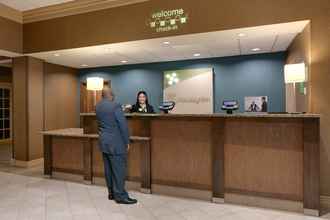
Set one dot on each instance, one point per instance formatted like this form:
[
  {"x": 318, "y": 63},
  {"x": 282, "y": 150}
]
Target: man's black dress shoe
[
  {"x": 127, "y": 201},
  {"x": 110, "y": 197},
  {"x": 130, "y": 199}
]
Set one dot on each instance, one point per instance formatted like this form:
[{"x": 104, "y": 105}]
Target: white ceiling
[
  {"x": 24, "y": 5},
  {"x": 270, "y": 38}
]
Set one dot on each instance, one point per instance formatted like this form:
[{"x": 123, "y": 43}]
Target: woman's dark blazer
[{"x": 137, "y": 109}]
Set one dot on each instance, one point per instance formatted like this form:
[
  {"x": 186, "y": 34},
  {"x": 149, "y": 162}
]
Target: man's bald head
[{"x": 107, "y": 93}]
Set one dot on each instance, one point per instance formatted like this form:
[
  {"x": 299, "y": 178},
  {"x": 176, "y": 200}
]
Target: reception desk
[{"x": 269, "y": 160}]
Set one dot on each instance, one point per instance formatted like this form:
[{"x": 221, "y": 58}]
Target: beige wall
[
  {"x": 61, "y": 97},
  {"x": 320, "y": 89},
  {"x": 299, "y": 52}
]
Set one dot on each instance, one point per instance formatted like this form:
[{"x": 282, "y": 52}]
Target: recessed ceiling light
[
  {"x": 57, "y": 55},
  {"x": 241, "y": 35},
  {"x": 84, "y": 65},
  {"x": 166, "y": 42},
  {"x": 256, "y": 49},
  {"x": 124, "y": 61},
  {"x": 197, "y": 54}
]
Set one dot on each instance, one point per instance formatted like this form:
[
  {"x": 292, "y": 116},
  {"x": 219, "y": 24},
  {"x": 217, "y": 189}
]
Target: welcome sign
[
  {"x": 191, "y": 90},
  {"x": 168, "y": 20}
]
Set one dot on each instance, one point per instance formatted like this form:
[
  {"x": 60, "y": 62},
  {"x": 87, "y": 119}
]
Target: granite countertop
[
  {"x": 78, "y": 132},
  {"x": 222, "y": 115},
  {"x": 69, "y": 132}
]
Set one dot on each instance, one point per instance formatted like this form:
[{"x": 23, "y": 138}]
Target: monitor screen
[{"x": 229, "y": 103}]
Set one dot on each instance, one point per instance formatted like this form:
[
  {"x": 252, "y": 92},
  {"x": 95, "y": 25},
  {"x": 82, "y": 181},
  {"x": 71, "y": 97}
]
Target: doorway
[{"x": 6, "y": 151}]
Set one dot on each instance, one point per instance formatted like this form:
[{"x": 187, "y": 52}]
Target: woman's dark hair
[{"x": 137, "y": 98}]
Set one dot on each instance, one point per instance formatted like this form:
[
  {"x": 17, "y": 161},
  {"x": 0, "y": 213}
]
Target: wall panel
[{"x": 61, "y": 97}]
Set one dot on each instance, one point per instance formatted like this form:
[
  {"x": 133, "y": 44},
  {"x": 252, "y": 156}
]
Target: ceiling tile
[
  {"x": 265, "y": 44},
  {"x": 283, "y": 41}
]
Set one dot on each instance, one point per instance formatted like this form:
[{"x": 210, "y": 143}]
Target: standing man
[
  {"x": 114, "y": 144},
  {"x": 264, "y": 105}
]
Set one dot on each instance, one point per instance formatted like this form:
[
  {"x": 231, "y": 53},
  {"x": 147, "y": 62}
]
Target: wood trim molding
[
  {"x": 325, "y": 202},
  {"x": 4, "y": 58},
  {"x": 11, "y": 14},
  {"x": 31, "y": 163},
  {"x": 181, "y": 184},
  {"x": 263, "y": 194},
  {"x": 70, "y": 171},
  {"x": 73, "y": 8}
]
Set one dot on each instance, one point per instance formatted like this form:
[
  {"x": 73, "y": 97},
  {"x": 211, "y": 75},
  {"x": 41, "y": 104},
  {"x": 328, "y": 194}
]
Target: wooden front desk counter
[{"x": 270, "y": 160}]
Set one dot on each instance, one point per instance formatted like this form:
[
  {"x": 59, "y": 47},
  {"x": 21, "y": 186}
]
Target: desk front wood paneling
[
  {"x": 264, "y": 157},
  {"x": 181, "y": 153},
  {"x": 133, "y": 165},
  {"x": 267, "y": 156},
  {"x": 76, "y": 153}
]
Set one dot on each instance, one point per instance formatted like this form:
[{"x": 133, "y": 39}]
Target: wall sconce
[
  {"x": 295, "y": 73},
  {"x": 95, "y": 83}
]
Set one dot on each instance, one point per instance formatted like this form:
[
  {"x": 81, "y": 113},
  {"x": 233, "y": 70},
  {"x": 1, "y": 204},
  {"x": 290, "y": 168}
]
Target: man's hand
[{"x": 128, "y": 147}]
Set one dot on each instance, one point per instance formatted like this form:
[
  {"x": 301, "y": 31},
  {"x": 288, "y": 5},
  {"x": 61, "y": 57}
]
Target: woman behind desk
[{"x": 142, "y": 104}]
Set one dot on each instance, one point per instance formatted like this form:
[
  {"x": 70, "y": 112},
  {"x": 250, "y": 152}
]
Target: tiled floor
[
  {"x": 25, "y": 194},
  {"x": 5, "y": 152}
]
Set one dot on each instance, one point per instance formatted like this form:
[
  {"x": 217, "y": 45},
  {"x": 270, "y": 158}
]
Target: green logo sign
[{"x": 168, "y": 20}]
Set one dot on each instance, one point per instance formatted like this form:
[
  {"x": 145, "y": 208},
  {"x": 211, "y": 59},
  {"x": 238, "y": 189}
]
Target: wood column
[
  {"x": 311, "y": 166},
  {"x": 146, "y": 156},
  {"x": 28, "y": 108},
  {"x": 88, "y": 157},
  {"x": 48, "y": 157},
  {"x": 218, "y": 135},
  {"x": 145, "y": 166}
]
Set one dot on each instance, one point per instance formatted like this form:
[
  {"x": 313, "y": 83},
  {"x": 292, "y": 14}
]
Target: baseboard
[
  {"x": 325, "y": 202},
  {"x": 181, "y": 192},
  {"x": 270, "y": 203},
  {"x": 130, "y": 185},
  {"x": 68, "y": 177},
  {"x": 27, "y": 164}
]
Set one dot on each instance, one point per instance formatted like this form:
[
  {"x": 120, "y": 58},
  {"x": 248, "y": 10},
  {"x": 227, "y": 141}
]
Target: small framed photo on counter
[{"x": 256, "y": 104}]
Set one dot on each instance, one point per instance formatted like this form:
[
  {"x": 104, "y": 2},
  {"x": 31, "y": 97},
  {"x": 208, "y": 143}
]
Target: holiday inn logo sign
[{"x": 168, "y": 20}]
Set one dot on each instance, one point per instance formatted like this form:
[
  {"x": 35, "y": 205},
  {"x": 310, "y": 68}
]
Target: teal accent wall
[{"x": 234, "y": 78}]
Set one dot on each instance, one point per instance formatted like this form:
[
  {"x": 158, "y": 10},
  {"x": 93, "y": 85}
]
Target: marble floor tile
[{"x": 26, "y": 195}]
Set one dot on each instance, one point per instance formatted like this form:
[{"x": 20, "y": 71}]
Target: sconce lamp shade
[
  {"x": 95, "y": 83},
  {"x": 295, "y": 73}
]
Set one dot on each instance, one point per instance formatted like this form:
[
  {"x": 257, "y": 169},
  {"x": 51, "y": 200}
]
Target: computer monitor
[
  {"x": 229, "y": 106},
  {"x": 167, "y": 106}
]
